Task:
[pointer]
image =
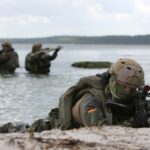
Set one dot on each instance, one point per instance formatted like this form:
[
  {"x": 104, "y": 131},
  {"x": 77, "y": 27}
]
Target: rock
[{"x": 92, "y": 64}]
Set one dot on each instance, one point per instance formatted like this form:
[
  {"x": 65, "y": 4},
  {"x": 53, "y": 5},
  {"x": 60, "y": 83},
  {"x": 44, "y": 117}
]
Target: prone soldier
[{"x": 112, "y": 97}]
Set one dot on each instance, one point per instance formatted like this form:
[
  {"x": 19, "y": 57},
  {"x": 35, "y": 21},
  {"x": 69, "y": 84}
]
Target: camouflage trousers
[
  {"x": 14, "y": 127},
  {"x": 50, "y": 122}
]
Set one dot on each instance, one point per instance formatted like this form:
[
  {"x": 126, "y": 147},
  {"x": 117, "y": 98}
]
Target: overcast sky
[{"x": 42, "y": 18}]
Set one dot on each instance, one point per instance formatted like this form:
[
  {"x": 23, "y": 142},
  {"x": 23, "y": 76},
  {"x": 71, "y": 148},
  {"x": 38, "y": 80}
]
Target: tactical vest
[{"x": 93, "y": 84}]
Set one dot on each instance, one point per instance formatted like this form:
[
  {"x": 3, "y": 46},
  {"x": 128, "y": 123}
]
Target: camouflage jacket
[
  {"x": 92, "y": 84},
  {"x": 9, "y": 61},
  {"x": 135, "y": 113},
  {"x": 39, "y": 62}
]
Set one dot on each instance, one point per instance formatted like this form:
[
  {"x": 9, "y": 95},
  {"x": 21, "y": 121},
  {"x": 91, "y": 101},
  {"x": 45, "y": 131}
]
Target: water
[{"x": 26, "y": 97}]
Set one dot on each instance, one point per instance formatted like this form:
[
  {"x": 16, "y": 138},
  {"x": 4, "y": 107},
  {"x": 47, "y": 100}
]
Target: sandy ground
[{"x": 104, "y": 138}]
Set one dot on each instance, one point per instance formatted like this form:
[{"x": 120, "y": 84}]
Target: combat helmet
[
  {"x": 7, "y": 44},
  {"x": 36, "y": 47},
  {"x": 126, "y": 76}
]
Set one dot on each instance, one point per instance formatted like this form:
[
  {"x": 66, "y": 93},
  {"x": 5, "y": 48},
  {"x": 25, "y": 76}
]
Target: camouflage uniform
[
  {"x": 14, "y": 127},
  {"x": 92, "y": 101},
  {"x": 38, "y": 61},
  {"x": 8, "y": 59}
]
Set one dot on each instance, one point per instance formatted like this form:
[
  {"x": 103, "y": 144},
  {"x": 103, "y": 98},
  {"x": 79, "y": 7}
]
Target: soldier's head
[
  {"x": 6, "y": 46},
  {"x": 126, "y": 76},
  {"x": 36, "y": 47}
]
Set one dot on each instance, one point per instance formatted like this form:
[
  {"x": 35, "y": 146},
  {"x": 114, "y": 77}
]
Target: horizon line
[{"x": 75, "y": 36}]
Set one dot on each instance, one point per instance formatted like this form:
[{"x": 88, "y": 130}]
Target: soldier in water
[
  {"x": 9, "y": 60},
  {"x": 39, "y": 61}
]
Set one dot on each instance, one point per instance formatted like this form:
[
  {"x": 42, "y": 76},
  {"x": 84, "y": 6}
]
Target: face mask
[{"x": 119, "y": 91}]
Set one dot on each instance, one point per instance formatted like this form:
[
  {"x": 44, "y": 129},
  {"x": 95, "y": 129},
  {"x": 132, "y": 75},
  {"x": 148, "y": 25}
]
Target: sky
[{"x": 44, "y": 18}]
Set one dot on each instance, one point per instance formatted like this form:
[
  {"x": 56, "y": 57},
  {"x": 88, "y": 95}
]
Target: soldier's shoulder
[
  {"x": 29, "y": 54},
  {"x": 15, "y": 53},
  {"x": 94, "y": 77}
]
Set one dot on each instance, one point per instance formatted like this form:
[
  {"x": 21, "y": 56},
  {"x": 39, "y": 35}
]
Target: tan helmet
[
  {"x": 36, "y": 47},
  {"x": 128, "y": 71},
  {"x": 7, "y": 43}
]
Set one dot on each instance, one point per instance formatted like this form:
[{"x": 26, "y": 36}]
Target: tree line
[{"x": 111, "y": 39}]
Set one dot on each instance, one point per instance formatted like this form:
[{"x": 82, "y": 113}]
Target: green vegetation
[
  {"x": 91, "y": 64},
  {"x": 138, "y": 39}
]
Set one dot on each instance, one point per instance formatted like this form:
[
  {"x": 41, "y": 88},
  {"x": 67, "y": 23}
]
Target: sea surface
[{"x": 27, "y": 97}]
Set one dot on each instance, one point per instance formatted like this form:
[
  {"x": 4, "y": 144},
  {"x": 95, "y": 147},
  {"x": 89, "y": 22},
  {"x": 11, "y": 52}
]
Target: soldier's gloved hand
[
  {"x": 140, "y": 119},
  {"x": 58, "y": 49}
]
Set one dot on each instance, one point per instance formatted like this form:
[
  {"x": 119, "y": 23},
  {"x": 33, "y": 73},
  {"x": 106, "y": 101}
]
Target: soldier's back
[{"x": 9, "y": 62}]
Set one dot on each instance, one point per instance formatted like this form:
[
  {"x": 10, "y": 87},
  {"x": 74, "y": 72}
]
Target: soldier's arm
[
  {"x": 89, "y": 81},
  {"x": 52, "y": 57}
]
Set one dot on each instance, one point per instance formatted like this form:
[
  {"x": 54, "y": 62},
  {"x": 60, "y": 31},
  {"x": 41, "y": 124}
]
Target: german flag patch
[{"x": 91, "y": 109}]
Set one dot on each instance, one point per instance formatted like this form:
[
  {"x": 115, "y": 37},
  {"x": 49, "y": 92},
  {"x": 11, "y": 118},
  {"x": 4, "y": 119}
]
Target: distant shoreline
[{"x": 109, "y": 40}]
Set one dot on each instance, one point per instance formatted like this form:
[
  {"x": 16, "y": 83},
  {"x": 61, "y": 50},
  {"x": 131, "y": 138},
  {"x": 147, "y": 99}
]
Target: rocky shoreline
[{"x": 103, "y": 138}]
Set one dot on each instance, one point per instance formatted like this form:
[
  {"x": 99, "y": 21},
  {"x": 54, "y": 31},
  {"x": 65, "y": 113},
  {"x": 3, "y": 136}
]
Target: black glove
[
  {"x": 140, "y": 119},
  {"x": 58, "y": 49}
]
